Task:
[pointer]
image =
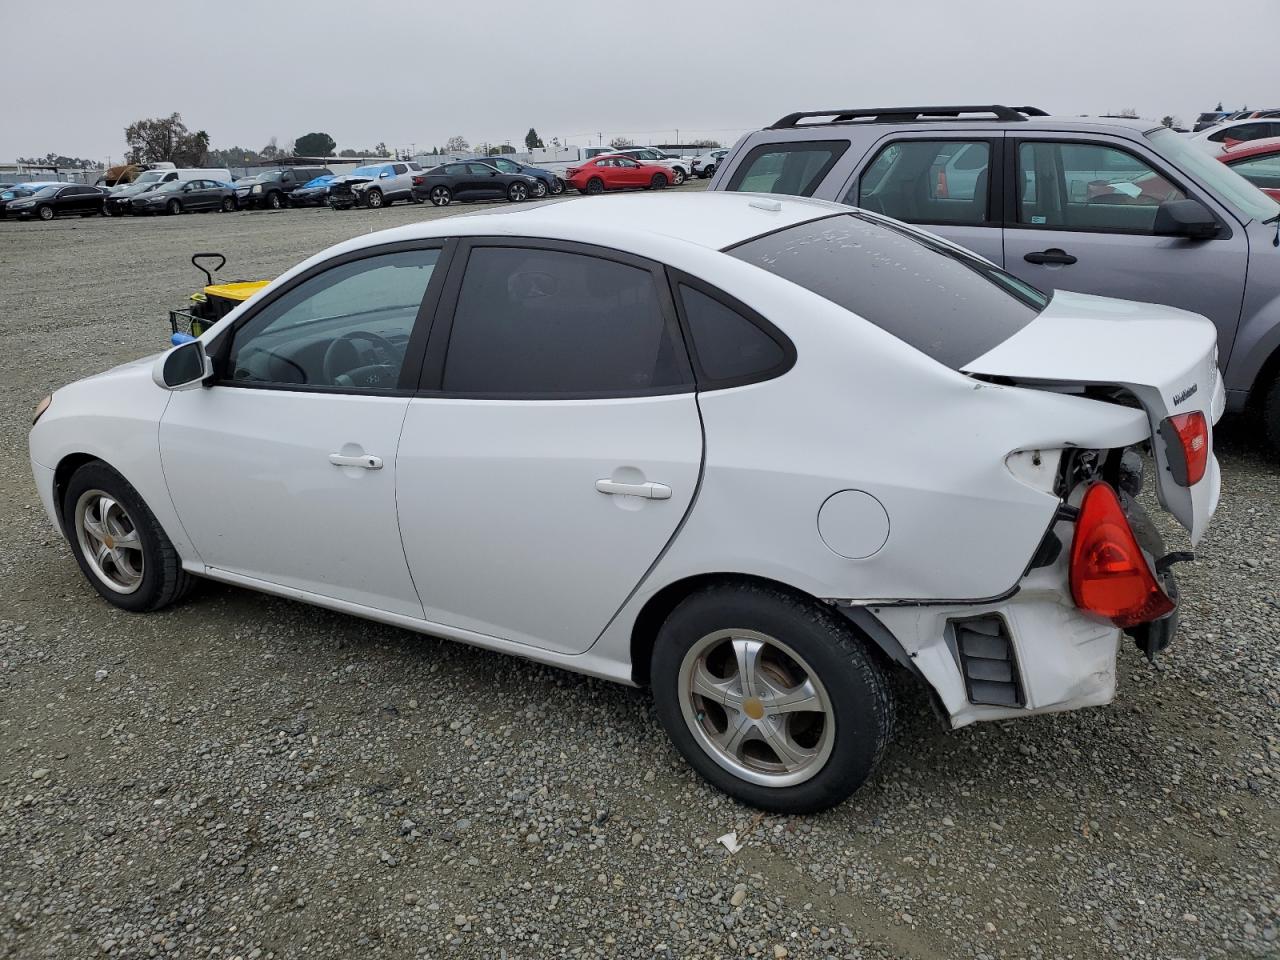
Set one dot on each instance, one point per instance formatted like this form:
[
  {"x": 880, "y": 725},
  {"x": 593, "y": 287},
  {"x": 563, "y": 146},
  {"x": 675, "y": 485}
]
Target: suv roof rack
[{"x": 901, "y": 114}]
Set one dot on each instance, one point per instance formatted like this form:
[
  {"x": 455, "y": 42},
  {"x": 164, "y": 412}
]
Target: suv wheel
[
  {"x": 274, "y": 200},
  {"x": 775, "y": 700},
  {"x": 374, "y": 198},
  {"x": 678, "y": 176},
  {"x": 441, "y": 196},
  {"x": 120, "y": 546}
]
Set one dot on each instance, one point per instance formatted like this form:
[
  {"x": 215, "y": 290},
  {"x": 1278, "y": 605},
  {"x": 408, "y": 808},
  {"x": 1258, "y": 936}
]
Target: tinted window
[
  {"x": 479, "y": 169},
  {"x": 729, "y": 346},
  {"x": 546, "y": 323},
  {"x": 347, "y": 327},
  {"x": 1263, "y": 171},
  {"x": 1087, "y": 186},
  {"x": 945, "y": 302},
  {"x": 791, "y": 168},
  {"x": 1241, "y": 131},
  {"x": 400, "y": 168},
  {"x": 927, "y": 181},
  {"x": 456, "y": 169}
]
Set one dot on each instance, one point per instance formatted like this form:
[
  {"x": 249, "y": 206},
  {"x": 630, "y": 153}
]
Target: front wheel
[
  {"x": 658, "y": 182},
  {"x": 274, "y": 200},
  {"x": 374, "y": 199},
  {"x": 441, "y": 196},
  {"x": 774, "y": 699},
  {"x": 678, "y": 176},
  {"x": 45, "y": 212},
  {"x": 518, "y": 192},
  {"x": 174, "y": 208},
  {"x": 228, "y": 204},
  {"x": 118, "y": 543},
  {"x": 539, "y": 190},
  {"x": 557, "y": 187}
]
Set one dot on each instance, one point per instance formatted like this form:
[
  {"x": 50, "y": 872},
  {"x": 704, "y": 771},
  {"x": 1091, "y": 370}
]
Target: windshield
[
  {"x": 151, "y": 176},
  {"x": 1235, "y": 189},
  {"x": 945, "y": 302},
  {"x": 366, "y": 171}
]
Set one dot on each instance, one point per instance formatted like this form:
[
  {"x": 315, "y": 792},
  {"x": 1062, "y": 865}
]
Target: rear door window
[
  {"x": 943, "y": 301},
  {"x": 550, "y": 324},
  {"x": 794, "y": 168},
  {"x": 928, "y": 181}
]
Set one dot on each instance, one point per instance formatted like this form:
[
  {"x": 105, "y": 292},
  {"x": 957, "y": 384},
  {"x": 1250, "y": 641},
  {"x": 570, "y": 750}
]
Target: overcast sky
[{"x": 75, "y": 73}]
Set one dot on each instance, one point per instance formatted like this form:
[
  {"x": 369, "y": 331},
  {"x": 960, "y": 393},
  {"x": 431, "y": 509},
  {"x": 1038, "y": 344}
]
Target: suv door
[
  {"x": 948, "y": 184},
  {"x": 284, "y": 470},
  {"x": 556, "y": 444},
  {"x": 1080, "y": 217}
]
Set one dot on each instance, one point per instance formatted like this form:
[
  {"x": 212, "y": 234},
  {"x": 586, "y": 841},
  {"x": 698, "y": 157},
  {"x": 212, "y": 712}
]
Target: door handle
[
  {"x": 364, "y": 461},
  {"x": 649, "y": 491},
  {"x": 1052, "y": 255}
]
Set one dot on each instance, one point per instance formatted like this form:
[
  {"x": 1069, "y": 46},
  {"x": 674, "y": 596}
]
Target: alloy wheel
[
  {"x": 518, "y": 192},
  {"x": 109, "y": 540},
  {"x": 46, "y": 213},
  {"x": 440, "y": 196},
  {"x": 539, "y": 190},
  {"x": 756, "y": 708},
  {"x": 375, "y": 199}
]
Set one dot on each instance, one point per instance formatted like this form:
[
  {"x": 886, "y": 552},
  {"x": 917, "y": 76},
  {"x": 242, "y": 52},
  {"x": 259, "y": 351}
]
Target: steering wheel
[{"x": 347, "y": 365}]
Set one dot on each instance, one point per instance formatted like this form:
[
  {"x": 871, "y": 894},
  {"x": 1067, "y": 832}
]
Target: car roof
[
  {"x": 1250, "y": 148},
  {"x": 639, "y": 223},
  {"x": 842, "y": 129}
]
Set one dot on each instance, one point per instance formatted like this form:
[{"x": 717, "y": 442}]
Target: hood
[{"x": 1164, "y": 358}]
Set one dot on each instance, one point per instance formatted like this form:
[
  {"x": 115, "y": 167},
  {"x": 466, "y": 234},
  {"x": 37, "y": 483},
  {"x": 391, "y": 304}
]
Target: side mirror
[
  {"x": 1184, "y": 218},
  {"x": 384, "y": 174},
  {"x": 183, "y": 368},
  {"x": 493, "y": 173}
]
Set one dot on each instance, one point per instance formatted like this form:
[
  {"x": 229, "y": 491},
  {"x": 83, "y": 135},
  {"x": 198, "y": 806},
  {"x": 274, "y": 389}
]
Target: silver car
[{"x": 1120, "y": 208}]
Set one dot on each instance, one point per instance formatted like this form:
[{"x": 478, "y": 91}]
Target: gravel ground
[{"x": 248, "y": 777}]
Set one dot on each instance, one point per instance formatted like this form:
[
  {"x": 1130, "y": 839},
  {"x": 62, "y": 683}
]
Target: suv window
[
  {"x": 347, "y": 327},
  {"x": 728, "y": 345},
  {"x": 927, "y": 181},
  {"x": 941, "y": 300},
  {"x": 791, "y": 168},
  {"x": 545, "y": 323},
  {"x": 1246, "y": 131},
  {"x": 455, "y": 169},
  {"x": 1088, "y": 186}
]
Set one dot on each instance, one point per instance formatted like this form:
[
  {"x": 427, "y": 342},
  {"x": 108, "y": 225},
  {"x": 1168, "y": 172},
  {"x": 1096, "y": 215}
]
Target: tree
[
  {"x": 58, "y": 160},
  {"x": 457, "y": 144},
  {"x": 314, "y": 145},
  {"x": 1219, "y": 107},
  {"x": 621, "y": 143},
  {"x": 165, "y": 139},
  {"x": 532, "y": 141},
  {"x": 706, "y": 144},
  {"x": 1128, "y": 112},
  {"x": 1169, "y": 121}
]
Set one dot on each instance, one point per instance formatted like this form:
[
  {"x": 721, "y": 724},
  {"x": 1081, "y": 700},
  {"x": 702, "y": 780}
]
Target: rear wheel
[
  {"x": 595, "y": 185},
  {"x": 374, "y": 198},
  {"x": 441, "y": 196},
  {"x": 658, "y": 182},
  {"x": 774, "y": 699},
  {"x": 45, "y": 212},
  {"x": 120, "y": 546},
  {"x": 539, "y": 190},
  {"x": 518, "y": 192},
  {"x": 173, "y": 208}
]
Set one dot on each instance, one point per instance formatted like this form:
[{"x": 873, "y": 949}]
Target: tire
[
  {"x": 518, "y": 192},
  {"x": 107, "y": 211},
  {"x": 45, "y": 212},
  {"x": 539, "y": 190},
  {"x": 228, "y": 204},
  {"x": 658, "y": 182},
  {"x": 707, "y": 172},
  {"x": 274, "y": 200},
  {"x": 595, "y": 185},
  {"x": 557, "y": 187},
  {"x": 441, "y": 196},
  {"x": 173, "y": 208},
  {"x": 374, "y": 199},
  {"x": 678, "y": 176},
  {"x": 833, "y": 749},
  {"x": 1271, "y": 416},
  {"x": 160, "y": 580}
]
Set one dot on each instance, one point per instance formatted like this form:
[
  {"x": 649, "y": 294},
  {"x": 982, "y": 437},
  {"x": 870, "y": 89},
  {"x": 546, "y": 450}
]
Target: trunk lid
[{"x": 1164, "y": 357}]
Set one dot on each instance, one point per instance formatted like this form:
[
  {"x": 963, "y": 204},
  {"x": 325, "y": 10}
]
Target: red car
[
  {"x": 1258, "y": 161},
  {"x": 613, "y": 172}
]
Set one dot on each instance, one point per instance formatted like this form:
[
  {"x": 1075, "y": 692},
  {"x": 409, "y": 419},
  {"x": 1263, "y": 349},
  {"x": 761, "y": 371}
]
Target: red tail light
[
  {"x": 418, "y": 181},
  {"x": 940, "y": 190},
  {"x": 571, "y": 171},
  {"x": 1109, "y": 574},
  {"x": 1187, "y": 438}
]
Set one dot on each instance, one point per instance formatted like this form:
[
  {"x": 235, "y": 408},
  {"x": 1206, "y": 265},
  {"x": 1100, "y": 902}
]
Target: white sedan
[{"x": 754, "y": 452}]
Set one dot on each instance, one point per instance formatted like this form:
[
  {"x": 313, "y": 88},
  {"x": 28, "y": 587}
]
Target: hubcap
[
  {"x": 756, "y": 708},
  {"x": 109, "y": 541}
]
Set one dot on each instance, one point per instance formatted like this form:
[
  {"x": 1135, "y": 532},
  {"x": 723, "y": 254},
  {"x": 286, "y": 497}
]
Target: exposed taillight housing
[
  {"x": 1186, "y": 438},
  {"x": 1110, "y": 576}
]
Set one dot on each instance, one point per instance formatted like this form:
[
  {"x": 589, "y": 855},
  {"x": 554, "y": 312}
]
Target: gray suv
[{"x": 1112, "y": 207}]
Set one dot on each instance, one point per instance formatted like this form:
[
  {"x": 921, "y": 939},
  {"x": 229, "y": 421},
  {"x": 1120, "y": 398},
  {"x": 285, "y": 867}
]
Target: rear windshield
[{"x": 946, "y": 303}]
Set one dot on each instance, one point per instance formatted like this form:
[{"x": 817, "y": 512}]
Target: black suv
[{"x": 271, "y": 189}]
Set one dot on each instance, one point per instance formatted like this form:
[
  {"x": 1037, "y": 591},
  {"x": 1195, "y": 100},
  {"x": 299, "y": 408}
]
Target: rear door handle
[
  {"x": 364, "y": 461},
  {"x": 649, "y": 491},
  {"x": 1052, "y": 255}
]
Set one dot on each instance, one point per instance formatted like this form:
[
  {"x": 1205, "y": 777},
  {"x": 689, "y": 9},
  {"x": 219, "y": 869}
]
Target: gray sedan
[{"x": 180, "y": 196}]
